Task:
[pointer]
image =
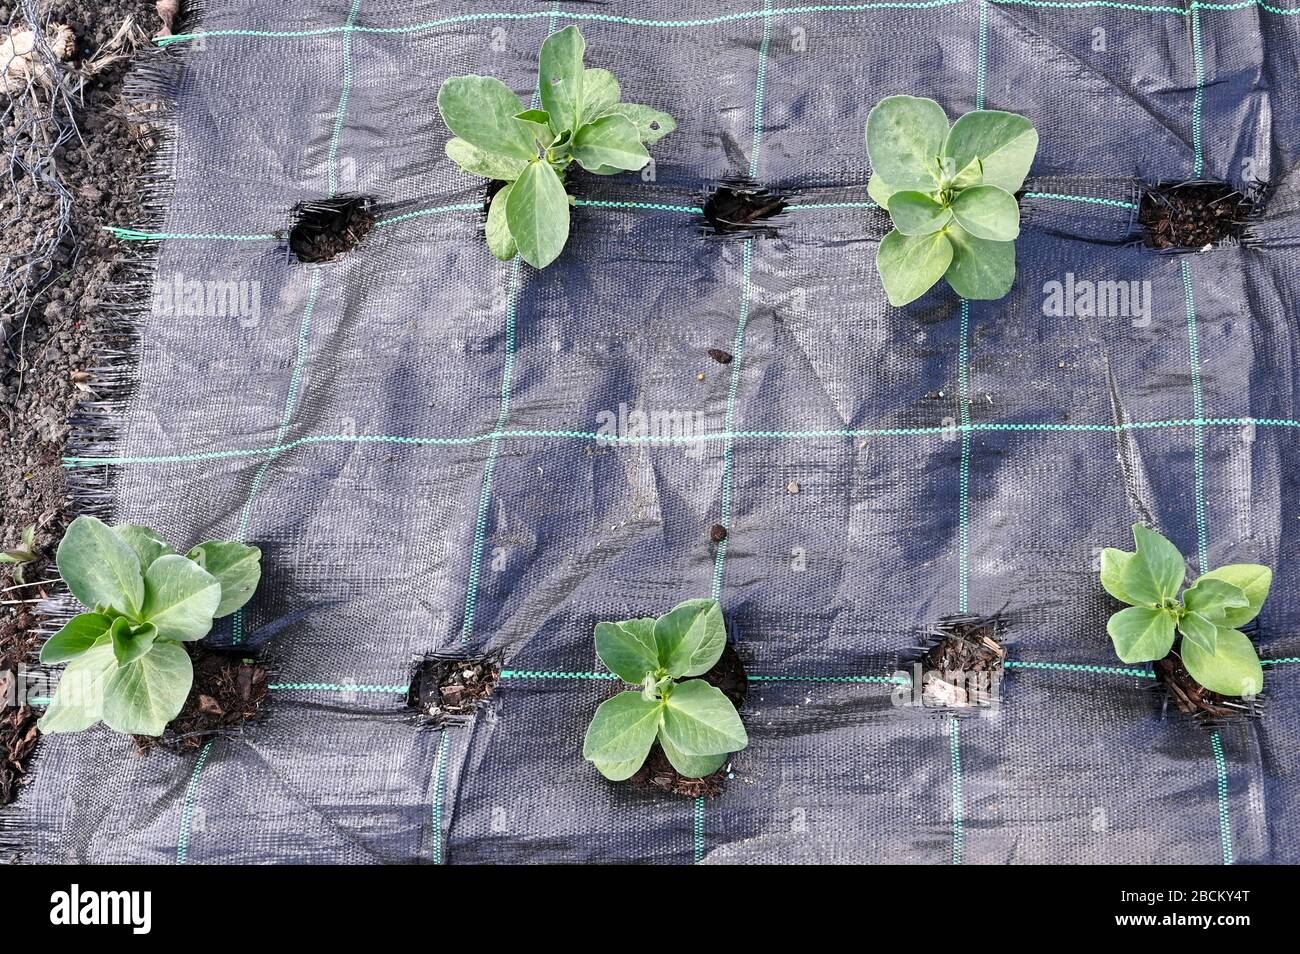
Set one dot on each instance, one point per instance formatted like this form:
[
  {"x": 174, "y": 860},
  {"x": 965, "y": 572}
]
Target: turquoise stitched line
[
  {"x": 554, "y": 674},
  {"x": 1225, "y": 815},
  {"x": 333, "y": 687},
  {"x": 567, "y": 14},
  {"x": 1117, "y": 203},
  {"x": 1272, "y": 662},
  {"x": 963, "y": 507},
  {"x": 421, "y": 213},
  {"x": 39, "y": 700},
  {"x": 981, "y": 70},
  {"x": 1085, "y": 4},
  {"x": 1198, "y": 406},
  {"x": 760, "y": 85},
  {"x": 894, "y": 680},
  {"x": 830, "y": 205},
  {"x": 74, "y": 462},
  {"x": 485, "y": 497},
  {"x": 728, "y": 456},
  {"x": 698, "y": 829},
  {"x": 439, "y": 795},
  {"x": 187, "y": 808},
  {"x": 649, "y": 206},
  {"x": 958, "y": 806},
  {"x": 340, "y": 113},
  {"x": 1198, "y": 60},
  {"x": 136, "y": 235},
  {"x": 1080, "y": 667}
]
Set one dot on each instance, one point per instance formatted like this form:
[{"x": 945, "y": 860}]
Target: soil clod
[
  {"x": 720, "y": 356},
  {"x": 452, "y": 687},
  {"x": 229, "y": 689},
  {"x": 1194, "y": 699},
  {"x": 717, "y": 533},
  {"x": 963, "y": 665},
  {"x": 741, "y": 208},
  {"x": 324, "y": 229},
  {"x": 1193, "y": 214},
  {"x": 727, "y": 674}
]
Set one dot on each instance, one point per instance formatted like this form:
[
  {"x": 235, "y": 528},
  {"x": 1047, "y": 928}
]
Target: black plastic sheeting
[{"x": 436, "y": 484}]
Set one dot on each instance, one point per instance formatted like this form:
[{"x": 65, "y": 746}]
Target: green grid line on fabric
[
  {"x": 1225, "y": 813},
  {"x": 138, "y": 235},
  {"x": 1093, "y": 200},
  {"x": 982, "y": 56},
  {"x": 760, "y": 89},
  {"x": 728, "y": 453},
  {"x": 894, "y": 680},
  {"x": 1080, "y": 667},
  {"x": 1285, "y": 661},
  {"x": 439, "y": 783},
  {"x": 1198, "y": 98},
  {"x": 335, "y": 687},
  {"x": 331, "y": 165},
  {"x": 974, "y": 427},
  {"x": 958, "y": 804},
  {"x": 697, "y": 830},
  {"x": 1198, "y": 409},
  {"x": 553, "y": 674},
  {"x": 963, "y": 480},
  {"x": 715, "y": 21},
  {"x": 187, "y": 807}
]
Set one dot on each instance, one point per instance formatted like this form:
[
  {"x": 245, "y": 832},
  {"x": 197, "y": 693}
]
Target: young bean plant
[
  {"x": 1206, "y": 617},
  {"x": 950, "y": 193},
  {"x": 695, "y": 723},
  {"x": 126, "y": 664},
  {"x": 582, "y": 120}
]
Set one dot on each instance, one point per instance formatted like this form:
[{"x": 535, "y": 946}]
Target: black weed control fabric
[{"x": 426, "y": 443}]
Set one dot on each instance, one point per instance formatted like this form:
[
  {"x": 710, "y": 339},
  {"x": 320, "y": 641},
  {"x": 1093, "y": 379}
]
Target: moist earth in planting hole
[
  {"x": 728, "y": 674},
  {"x": 17, "y": 738},
  {"x": 1194, "y": 699},
  {"x": 324, "y": 229},
  {"x": 1193, "y": 214},
  {"x": 962, "y": 667},
  {"x": 452, "y": 687},
  {"x": 229, "y": 690},
  {"x": 742, "y": 208}
]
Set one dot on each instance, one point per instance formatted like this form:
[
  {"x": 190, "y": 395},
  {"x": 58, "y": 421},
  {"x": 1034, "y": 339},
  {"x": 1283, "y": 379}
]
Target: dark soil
[
  {"x": 324, "y": 229},
  {"x": 720, "y": 356},
  {"x": 452, "y": 687},
  {"x": 740, "y": 208},
  {"x": 1193, "y": 698},
  {"x": 728, "y": 674},
  {"x": 62, "y": 185},
  {"x": 717, "y": 533},
  {"x": 229, "y": 689},
  {"x": 963, "y": 667},
  {"x": 1193, "y": 214}
]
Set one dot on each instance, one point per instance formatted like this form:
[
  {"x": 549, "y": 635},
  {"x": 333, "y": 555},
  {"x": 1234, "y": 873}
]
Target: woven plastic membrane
[{"x": 418, "y": 438}]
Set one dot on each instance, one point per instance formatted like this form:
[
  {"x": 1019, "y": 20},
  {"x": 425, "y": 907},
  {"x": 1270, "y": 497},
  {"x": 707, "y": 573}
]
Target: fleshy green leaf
[
  {"x": 699, "y": 720},
  {"x": 972, "y": 175},
  {"x": 538, "y": 122},
  {"x": 915, "y": 213},
  {"x": 78, "y": 701},
  {"x": 691, "y": 766},
  {"x": 131, "y": 642},
  {"x": 600, "y": 94},
  {"x": 1253, "y": 580},
  {"x": 100, "y": 567},
  {"x": 1141, "y": 633},
  {"x": 500, "y": 242},
  {"x": 690, "y": 638},
  {"x": 1156, "y": 573},
  {"x": 1113, "y": 563},
  {"x": 1199, "y": 630},
  {"x": 628, "y": 649},
  {"x": 1212, "y": 598},
  {"x": 880, "y": 191},
  {"x": 1005, "y": 143},
  {"x": 181, "y": 598},
  {"x": 611, "y": 142},
  {"x": 987, "y": 212},
  {"x": 560, "y": 78},
  {"x": 904, "y": 135},
  {"x": 1232, "y": 670},
  {"x": 909, "y": 265},
  {"x": 621, "y": 733},
  {"x": 981, "y": 270},
  {"x": 537, "y": 211},
  {"x": 78, "y": 635},
  {"x": 477, "y": 162},
  {"x": 141, "y": 698},
  {"x": 651, "y": 124},
  {"x": 237, "y": 567},
  {"x": 147, "y": 544},
  {"x": 481, "y": 110}
]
